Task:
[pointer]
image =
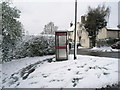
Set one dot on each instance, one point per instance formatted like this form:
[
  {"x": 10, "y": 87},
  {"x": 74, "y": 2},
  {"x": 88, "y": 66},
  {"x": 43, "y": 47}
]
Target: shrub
[
  {"x": 106, "y": 42},
  {"x": 36, "y": 46}
]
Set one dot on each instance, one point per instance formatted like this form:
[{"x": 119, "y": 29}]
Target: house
[
  {"x": 108, "y": 33},
  {"x": 71, "y": 32},
  {"x": 83, "y": 37}
]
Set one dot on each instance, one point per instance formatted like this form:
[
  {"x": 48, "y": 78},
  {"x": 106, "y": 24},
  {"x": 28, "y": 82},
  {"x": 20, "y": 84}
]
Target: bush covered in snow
[
  {"x": 0, "y": 49},
  {"x": 35, "y": 46}
]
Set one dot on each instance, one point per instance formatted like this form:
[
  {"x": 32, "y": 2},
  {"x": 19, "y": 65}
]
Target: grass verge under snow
[{"x": 85, "y": 72}]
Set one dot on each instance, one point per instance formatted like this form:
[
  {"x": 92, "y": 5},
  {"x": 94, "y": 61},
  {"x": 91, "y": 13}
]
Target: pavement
[{"x": 84, "y": 51}]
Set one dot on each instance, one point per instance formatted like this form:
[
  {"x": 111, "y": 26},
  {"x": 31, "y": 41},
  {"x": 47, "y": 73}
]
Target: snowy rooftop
[
  {"x": 112, "y": 28},
  {"x": 71, "y": 28}
]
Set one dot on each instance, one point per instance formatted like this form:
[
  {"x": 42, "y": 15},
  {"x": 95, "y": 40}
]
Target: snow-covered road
[
  {"x": 85, "y": 72},
  {"x": 104, "y": 49}
]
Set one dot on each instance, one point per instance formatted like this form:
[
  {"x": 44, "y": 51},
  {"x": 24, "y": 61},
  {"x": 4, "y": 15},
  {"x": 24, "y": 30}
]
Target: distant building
[
  {"x": 82, "y": 34},
  {"x": 83, "y": 37},
  {"x": 108, "y": 33}
]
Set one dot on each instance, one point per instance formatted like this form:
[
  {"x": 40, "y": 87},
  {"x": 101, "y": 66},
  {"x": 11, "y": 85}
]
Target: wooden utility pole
[{"x": 75, "y": 32}]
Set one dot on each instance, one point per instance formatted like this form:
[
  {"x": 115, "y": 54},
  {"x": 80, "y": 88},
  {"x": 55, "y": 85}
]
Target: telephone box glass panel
[
  {"x": 62, "y": 40},
  {"x": 61, "y": 45}
]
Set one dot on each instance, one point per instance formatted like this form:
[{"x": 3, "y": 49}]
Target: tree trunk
[{"x": 94, "y": 39}]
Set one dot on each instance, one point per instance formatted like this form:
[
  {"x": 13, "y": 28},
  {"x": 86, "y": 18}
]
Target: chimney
[
  {"x": 82, "y": 19},
  {"x": 71, "y": 24}
]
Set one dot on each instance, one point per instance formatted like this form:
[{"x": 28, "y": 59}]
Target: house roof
[
  {"x": 71, "y": 28},
  {"x": 61, "y": 31},
  {"x": 113, "y": 29},
  {"x": 108, "y": 28}
]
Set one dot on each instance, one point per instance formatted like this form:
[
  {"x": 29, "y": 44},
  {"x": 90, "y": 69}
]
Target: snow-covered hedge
[
  {"x": 35, "y": 46},
  {"x": 106, "y": 42}
]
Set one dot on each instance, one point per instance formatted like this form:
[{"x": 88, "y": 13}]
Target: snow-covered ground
[
  {"x": 0, "y": 61},
  {"x": 85, "y": 72},
  {"x": 0, "y": 76},
  {"x": 0, "y": 68},
  {"x": 104, "y": 49}
]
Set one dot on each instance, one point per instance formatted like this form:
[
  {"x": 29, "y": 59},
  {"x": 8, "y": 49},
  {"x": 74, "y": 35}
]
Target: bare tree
[{"x": 50, "y": 28}]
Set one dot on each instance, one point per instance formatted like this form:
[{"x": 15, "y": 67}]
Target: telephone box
[{"x": 61, "y": 45}]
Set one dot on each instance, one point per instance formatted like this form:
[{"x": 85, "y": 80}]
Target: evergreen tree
[
  {"x": 96, "y": 19},
  {"x": 11, "y": 29}
]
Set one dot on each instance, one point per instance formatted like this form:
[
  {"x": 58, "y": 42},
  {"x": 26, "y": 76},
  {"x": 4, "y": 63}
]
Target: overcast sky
[{"x": 36, "y": 13}]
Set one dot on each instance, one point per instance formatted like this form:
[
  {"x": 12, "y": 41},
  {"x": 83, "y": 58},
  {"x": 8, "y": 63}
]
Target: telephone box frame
[{"x": 58, "y": 48}]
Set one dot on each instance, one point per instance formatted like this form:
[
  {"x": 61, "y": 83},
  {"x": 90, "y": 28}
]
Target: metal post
[{"x": 75, "y": 42}]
